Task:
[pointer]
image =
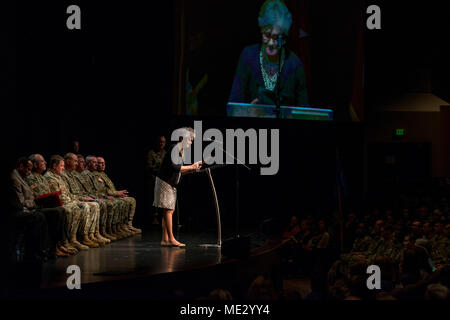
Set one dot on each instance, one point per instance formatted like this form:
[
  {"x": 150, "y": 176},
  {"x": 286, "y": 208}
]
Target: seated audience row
[{"x": 74, "y": 200}]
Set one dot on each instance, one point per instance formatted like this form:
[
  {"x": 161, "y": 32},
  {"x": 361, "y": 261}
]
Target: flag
[
  {"x": 299, "y": 38},
  {"x": 356, "y": 108},
  {"x": 341, "y": 186}
]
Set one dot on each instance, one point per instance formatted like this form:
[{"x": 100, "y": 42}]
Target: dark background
[
  {"x": 220, "y": 31},
  {"x": 412, "y": 39},
  {"x": 111, "y": 85}
]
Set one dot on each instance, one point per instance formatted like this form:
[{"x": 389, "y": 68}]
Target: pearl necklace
[{"x": 269, "y": 81}]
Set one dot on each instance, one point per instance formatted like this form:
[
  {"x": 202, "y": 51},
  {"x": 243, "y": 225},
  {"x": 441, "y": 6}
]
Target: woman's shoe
[
  {"x": 165, "y": 244},
  {"x": 179, "y": 245}
]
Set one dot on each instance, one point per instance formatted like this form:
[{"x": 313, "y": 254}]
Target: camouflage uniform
[
  {"x": 397, "y": 253},
  {"x": 342, "y": 267},
  {"x": 154, "y": 161},
  {"x": 383, "y": 248},
  {"x": 94, "y": 187},
  {"x": 440, "y": 249},
  {"x": 362, "y": 244},
  {"x": 40, "y": 186},
  {"x": 130, "y": 202},
  {"x": 106, "y": 211},
  {"x": 122, "y": 205},
  {"x": 56, "y": 182},
  {"x": 78, "y": 195},
  {"x": 373, "y": 246}
]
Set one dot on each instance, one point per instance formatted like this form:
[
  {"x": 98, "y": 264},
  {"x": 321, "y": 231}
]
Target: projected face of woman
[{"x": 270, "y": 40}]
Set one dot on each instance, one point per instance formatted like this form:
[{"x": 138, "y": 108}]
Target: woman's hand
[
  {"x": 196, "y": 166},
  {"x": 192, "y": 168}
]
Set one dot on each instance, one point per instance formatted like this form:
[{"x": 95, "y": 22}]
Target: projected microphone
[
  {"x": 281, "y": 40},
  {"x": 210, "y": 140}
]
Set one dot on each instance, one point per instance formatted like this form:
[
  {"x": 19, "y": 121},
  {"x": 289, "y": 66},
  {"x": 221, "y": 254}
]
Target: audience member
[
  {"x": 293, "y": 229},
  {"x": 262, "y": 289}
]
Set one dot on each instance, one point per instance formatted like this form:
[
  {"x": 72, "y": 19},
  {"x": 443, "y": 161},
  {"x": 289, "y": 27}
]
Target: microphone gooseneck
[{"x": 280, "y": 40}]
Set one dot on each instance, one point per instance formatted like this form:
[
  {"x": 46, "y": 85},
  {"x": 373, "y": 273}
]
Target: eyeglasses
[{"x": 275, "y": 37}]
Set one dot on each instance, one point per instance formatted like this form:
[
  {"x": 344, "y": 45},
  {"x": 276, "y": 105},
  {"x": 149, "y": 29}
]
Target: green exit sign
[{"x": 399, "y": 132}]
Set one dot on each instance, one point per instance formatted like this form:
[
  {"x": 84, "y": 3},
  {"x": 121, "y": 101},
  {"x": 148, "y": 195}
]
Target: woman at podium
[
  {"x": 167, "y": 179},
  {"x": 259, "y": 64}
]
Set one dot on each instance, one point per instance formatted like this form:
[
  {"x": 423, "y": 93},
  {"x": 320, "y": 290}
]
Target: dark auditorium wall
[
  {"x": 445, "y": 139},
  {"x": 420, "y": 127},
  {"x": 408, "y": 57}
]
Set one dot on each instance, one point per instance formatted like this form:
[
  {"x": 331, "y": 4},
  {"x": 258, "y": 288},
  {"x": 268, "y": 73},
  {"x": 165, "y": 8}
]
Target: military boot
[
  {"x": 99, "y": 236},
  {"x": 127, "y": 230},
  {"x": 109, "y": 233},
  {"x": 88, "y": 242},
  {"x": 66, "y": 244},
  {"x": 136, "y": 230},
  {"x": 74, "y": 243},
  {"x": 124, "y": 229},
  {"x": 61, "y": 248},
  {"x": 114, "y": 232},
  {"x": 117, "y": 233},
  {"x": 104, "y": 234},
  {"x": 95, "y": 240},
  {"x": 60, "y": 253}
]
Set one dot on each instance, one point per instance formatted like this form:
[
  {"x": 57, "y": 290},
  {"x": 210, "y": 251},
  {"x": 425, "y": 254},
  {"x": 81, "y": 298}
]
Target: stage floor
[{"x": 139, "y": 256}]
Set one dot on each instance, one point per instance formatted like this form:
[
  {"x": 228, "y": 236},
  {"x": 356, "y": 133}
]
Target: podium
[
  {"x": 216, "y": 204},
  {"x": 207, "y": 168},
  {"x": 235, "y": 109}
]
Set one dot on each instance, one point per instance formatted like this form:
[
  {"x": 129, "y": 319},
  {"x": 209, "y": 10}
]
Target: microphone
[
  {"x": 281, "y": 40},
  {"x": 210, "y": 140}
]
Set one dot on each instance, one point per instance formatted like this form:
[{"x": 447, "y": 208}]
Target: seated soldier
[
  {"x": 39, "y": 185},
  {"x": 80, "y": 164},
  {"x": 121, "y": 194},
  {"x": 439, "y": 245},
  {"x": 24, "y": 198},
  {"x": 416, "y": 230},
  {"x": 376, "y": 231},
  {"x": 322, "y": 238},
  {"x": 70, "y": 163},
  {"x": 117, "y": 206},
  {"x": 87, "y": 213},
  {"x": 292, "y": 229},
  {"x": 362, "y": 241},
  {"x": 384, "y": 247},
  {"x": 107, "y": 208}
]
